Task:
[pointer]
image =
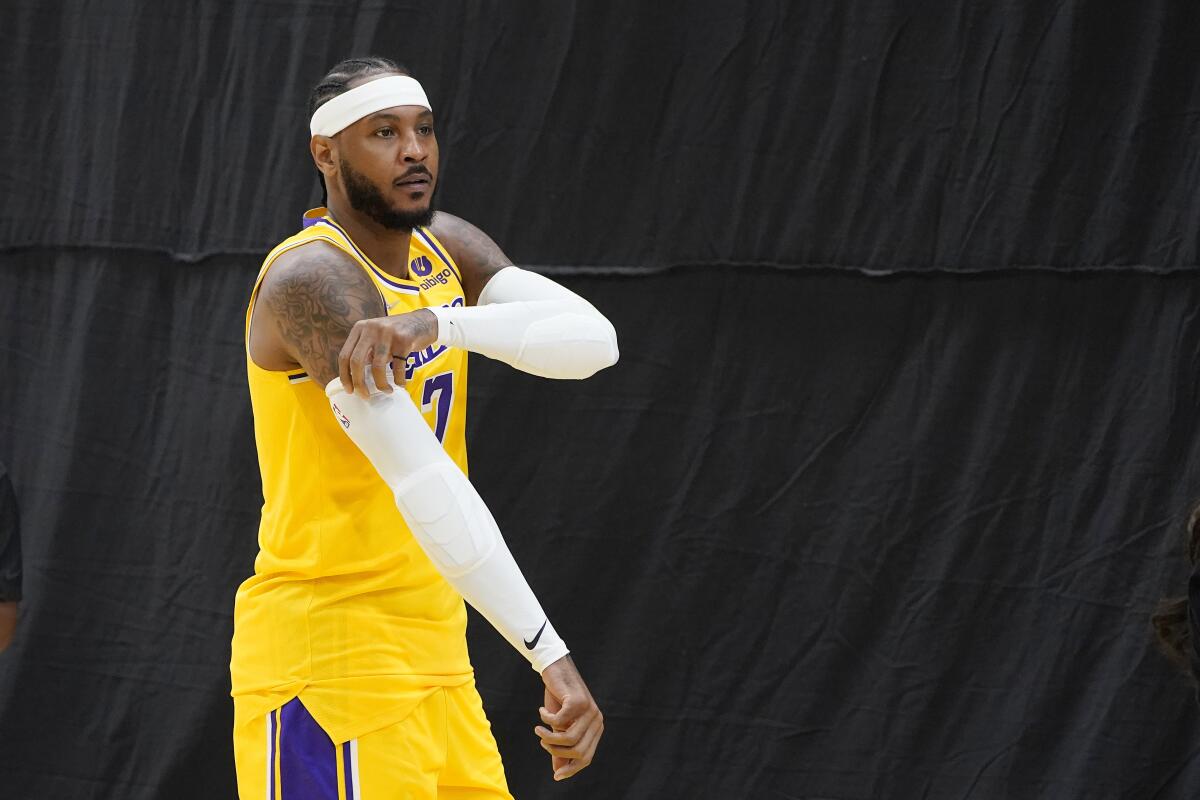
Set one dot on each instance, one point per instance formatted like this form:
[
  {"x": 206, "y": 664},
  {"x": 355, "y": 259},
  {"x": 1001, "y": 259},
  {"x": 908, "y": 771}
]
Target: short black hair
[
  {"x": 339, "y": 76},
  {"x": 337, "y": 81}
]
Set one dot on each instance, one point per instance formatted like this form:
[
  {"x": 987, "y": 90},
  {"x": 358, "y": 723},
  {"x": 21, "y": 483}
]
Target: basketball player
[
  {"x": 351, "y": 678},
  {"x": 10, "y": 560}
]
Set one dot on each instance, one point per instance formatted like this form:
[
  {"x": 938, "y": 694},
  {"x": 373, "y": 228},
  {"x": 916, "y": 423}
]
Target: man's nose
[{"x": 414, "y": 149}]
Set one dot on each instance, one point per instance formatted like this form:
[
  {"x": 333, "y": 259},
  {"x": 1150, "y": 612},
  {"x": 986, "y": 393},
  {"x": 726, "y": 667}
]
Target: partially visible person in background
[
  {"x": 10, "y": 560},
  {"x": 1175, "y": 620}
]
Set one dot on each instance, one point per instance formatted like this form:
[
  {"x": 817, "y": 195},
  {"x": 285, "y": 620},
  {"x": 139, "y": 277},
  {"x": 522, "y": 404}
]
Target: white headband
[{"x": 349, "y": 107}]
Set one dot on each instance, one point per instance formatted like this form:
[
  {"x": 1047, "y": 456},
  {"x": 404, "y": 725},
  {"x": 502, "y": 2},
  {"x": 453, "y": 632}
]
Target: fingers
[
  {"x": 587, "y": 746},
  {"x": 563, "y": 767},
  {"x": 566, "y": 761},
  {"x": 360, "y": 360},
  {"x": 571, "y": 709},
  {"x": 573, "y": 736},
  {"x": 561, "y": 738},
  {"x": 370, "y": 347},
  {"x": 581, "y": 749},
  {"x": 379, "y": 369},
  {"x": 549, "y": 718},
  {"x": 571, "y": 743},
  {"x": 573, "y": 722},
  {"x": 364, "y": 357},
  {"x": 570, "y": 768},
  {"x": 399, "y": 366},
  {"x": 552, "y": 705},
  {"x": 344, "y": 359}
]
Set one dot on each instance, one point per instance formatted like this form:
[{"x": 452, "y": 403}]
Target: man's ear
[{"x": 324, "y": 153}]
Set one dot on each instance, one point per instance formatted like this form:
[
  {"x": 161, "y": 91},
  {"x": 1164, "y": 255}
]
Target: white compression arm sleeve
[
  {"x": 532, "y": 323},
  {"x": 447, "y": 517}
]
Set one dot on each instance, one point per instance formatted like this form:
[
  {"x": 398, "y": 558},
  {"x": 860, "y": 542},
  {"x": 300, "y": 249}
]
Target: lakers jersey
[{"x": 344, "y": 610}]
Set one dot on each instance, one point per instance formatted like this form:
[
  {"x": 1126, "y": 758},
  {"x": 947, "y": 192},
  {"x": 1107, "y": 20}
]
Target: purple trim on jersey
[
  {"x": 429, "y": 240},
  {"x": 308, "y": 222},
  {"x": 307, "y": 759},
  {"x": 349, "y": 776},
  {"x": 380, "y": 273}
]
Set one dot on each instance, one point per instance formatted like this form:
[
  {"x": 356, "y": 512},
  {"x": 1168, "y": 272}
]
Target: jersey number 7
[{"x": 438, "y": 389}]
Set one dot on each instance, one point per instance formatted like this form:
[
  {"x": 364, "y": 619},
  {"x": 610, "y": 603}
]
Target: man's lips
[{"x": 415, "y": 182}]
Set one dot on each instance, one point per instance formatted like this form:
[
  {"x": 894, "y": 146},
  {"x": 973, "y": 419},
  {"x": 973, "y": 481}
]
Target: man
[
  {"x": 10, "y": 560},
  {"x": 350, "y": 670}
]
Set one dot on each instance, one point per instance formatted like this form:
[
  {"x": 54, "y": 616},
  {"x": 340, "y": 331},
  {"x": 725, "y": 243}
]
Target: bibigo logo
[{"x": 421, "y": 265}]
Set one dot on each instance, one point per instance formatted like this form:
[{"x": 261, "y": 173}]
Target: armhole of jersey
[
  {"x": 440, "y": 249},
  {"x": 298, "y": 372}
]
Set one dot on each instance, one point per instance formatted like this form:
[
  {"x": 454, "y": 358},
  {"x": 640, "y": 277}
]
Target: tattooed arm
[
  {"x": 476, "y": 254},
  {"x": 306, "y": 307},
  {"x": 519, "y": 317},
  {"x": 318, "y": 310}
]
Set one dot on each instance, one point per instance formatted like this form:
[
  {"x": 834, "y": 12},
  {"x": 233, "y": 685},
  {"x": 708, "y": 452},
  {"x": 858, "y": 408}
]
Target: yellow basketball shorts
[{"x": 444, "y": 750}]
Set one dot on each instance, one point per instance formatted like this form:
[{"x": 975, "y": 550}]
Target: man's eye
[
  {"x": 385, "y": 133},
  {"x": 425, "y": 130}
]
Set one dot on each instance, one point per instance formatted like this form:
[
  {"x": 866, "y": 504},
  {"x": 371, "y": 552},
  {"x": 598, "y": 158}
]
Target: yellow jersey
[{"x": 344, "y": 609}]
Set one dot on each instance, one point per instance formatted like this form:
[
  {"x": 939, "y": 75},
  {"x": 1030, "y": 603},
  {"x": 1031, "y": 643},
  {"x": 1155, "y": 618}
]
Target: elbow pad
[
  {"x": 532, "y": 323},
  {"x": 459, "y": 530},
  {"x": 447, "y": 517}
]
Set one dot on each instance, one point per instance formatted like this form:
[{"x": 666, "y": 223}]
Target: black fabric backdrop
[
  {"x": 821, "y": 533},
  {"x": 909, "y": 555},
  {"x": 862, "y": 133}
]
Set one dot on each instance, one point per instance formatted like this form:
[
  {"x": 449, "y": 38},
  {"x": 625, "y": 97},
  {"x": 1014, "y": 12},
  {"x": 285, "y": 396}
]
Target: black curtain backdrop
[
  {"x": 873, "y": 528},
  {"x": 859, "y": 133}
]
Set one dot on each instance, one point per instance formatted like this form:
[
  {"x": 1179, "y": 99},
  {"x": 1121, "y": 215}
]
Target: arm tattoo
[
  {"x": 316, "y": 302},
  {"x": 476, "y": 254}
]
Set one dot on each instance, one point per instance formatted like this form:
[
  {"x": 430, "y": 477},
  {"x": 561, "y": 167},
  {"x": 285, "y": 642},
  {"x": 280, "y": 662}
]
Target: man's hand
[
  {"x": 574, "y": 720},
  {"x": 8, "y": 623},
  {"x": 374, "y": 343}
]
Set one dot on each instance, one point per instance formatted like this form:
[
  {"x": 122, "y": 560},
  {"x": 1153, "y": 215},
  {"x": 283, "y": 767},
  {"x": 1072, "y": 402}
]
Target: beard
[{"x": 366, "y": 198}]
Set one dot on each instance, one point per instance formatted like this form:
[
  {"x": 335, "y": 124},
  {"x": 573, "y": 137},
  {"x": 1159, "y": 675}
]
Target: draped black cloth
[
  {"x": 880, "y": 496},
  {"x": 860, "y": 134}
]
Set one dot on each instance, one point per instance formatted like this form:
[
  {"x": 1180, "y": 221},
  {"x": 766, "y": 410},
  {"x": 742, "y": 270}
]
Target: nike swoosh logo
[
  {"x": 530, "y": 645},
  {"x": 390, "y": 306}
]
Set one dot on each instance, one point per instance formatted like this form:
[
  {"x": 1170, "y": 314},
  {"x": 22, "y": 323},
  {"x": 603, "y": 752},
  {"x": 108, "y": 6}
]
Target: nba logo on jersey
[
  {"x": 341, "y": 417},
  {"x": 421, "y": 266}
]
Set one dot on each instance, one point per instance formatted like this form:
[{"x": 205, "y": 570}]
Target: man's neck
[{"x": 388, "y": 248}]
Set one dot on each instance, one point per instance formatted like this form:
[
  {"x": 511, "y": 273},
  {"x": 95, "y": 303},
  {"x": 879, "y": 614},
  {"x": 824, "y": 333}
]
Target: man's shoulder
[
  {"x": 312, "y": 253},
  {"x": 476, "y": 254},
  {"x": 450, "y": 228},
  {"x": 315, "y": 261}
]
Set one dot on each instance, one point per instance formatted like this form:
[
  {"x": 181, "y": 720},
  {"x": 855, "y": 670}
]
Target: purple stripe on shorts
[
  {"x": 349, "y": 772},
  {"x": 274, "y": 726},
  {"x": 307, "y": 758}
]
